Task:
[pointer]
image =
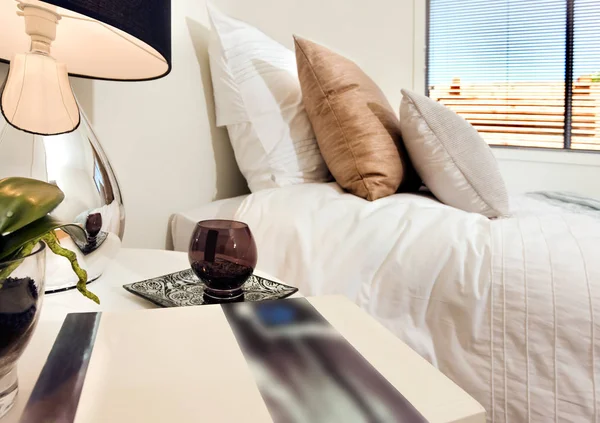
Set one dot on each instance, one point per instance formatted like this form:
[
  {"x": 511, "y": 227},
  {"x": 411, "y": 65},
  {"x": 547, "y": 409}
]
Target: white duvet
[{"x": 509, "y": 309}]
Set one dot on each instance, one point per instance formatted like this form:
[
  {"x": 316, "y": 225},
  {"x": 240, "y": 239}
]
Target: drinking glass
[{"x": 223, "y": 255}]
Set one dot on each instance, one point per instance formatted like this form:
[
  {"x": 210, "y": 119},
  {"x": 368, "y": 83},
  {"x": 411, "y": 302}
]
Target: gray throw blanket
[{"x": 569, "y": 201}]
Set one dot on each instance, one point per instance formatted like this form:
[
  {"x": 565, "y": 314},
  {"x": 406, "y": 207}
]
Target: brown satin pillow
[{"x": 357, "y": 131}]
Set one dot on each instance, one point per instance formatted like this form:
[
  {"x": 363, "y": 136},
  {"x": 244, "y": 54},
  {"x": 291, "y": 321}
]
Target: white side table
[
  {"x": 130, "y": 265},
  {"x": 439, "y": 399}
]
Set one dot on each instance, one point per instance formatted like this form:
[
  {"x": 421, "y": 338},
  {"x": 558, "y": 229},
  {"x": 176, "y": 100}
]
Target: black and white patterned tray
[{"x": 183, "y": 288}]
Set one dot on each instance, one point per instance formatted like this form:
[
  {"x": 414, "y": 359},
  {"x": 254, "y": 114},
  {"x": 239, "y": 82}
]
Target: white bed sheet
[{"x": 507, "y": 308}]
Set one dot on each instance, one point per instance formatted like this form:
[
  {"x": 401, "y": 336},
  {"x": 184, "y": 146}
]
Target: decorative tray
[{"x": 183, "y": 288}]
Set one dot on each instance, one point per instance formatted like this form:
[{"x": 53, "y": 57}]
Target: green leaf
[
  {"x": 24, "y": 200},
  {"x": 15, "y": 240}
]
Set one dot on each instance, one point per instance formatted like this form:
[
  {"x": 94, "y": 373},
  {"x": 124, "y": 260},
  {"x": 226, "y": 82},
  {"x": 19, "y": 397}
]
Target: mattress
[{"x": 507, "y": 308}]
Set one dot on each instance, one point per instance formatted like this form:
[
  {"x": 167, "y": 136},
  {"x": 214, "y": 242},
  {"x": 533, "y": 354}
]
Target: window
[{"x": 524, "y": 73}]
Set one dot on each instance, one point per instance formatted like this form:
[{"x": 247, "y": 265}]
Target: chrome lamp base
[{"x": 77, "y": 164}]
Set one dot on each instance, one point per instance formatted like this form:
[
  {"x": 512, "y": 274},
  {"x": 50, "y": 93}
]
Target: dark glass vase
[
  {"x": 223, "y": 255},
  {"x": 21, "y": 292}
]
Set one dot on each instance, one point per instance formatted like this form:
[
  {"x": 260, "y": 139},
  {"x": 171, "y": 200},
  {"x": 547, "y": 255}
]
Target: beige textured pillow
[
  {"x": 357, "y": 131},
  {"x": 450, "y": 156}
]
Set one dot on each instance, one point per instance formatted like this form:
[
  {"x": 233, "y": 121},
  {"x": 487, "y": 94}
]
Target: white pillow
[
  {"x": 258, "y": 98},
  {"x": 451, "y": 158}
]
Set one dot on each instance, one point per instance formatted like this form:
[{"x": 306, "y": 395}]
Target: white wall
[{"x": 540, "y": 170}]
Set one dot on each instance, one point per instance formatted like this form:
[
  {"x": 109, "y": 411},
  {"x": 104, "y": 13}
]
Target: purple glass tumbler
[{"x": 223, "y": 255}]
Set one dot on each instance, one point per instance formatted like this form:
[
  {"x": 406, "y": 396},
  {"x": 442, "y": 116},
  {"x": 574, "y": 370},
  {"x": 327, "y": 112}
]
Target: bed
[{"x": 507, "y": 308}]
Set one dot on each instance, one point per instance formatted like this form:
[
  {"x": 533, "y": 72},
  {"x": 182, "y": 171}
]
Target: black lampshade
[{"x": 127, "y": 40}]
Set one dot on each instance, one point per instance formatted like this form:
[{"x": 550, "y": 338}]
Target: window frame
[{"x": 569, "y": 57}]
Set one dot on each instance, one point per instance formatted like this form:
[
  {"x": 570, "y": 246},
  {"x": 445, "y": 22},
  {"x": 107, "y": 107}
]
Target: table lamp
[{"x": 43, "y": 132}]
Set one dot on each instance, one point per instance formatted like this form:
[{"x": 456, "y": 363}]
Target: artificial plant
[{"x": 24, "y": 221}]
